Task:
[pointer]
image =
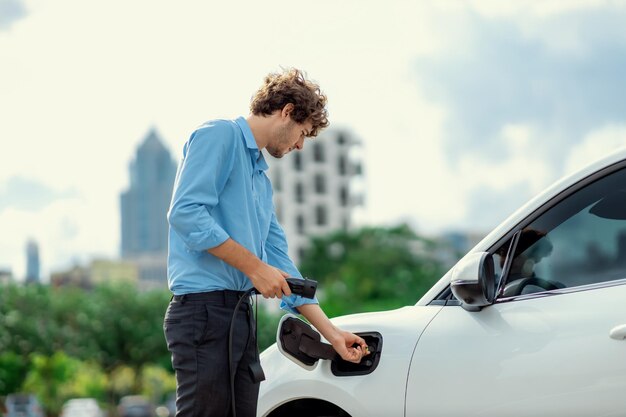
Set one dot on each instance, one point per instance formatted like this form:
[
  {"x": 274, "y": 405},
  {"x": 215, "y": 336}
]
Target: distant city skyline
[
  {"x": 145, "y": 203},
  {"x": 466, "y": 109}
]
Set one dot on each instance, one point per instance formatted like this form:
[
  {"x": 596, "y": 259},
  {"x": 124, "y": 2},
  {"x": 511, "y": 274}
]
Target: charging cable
[{"x": 299, "y": 286}]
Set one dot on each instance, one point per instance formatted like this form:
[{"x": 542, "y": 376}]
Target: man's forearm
[
  {"x": 237, "y": 256},
  {"x": 316, "y": 316},
  {"x": 348, "y": 345},
  {"x": 268, "y": 280}
]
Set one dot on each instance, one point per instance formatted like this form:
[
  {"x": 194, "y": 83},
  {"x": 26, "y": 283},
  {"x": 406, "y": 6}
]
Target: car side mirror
[{"x": 473, "y": 281}]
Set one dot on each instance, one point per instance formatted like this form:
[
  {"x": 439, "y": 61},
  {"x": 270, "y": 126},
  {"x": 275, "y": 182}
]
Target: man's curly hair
[{"x": 291, "y": 86}]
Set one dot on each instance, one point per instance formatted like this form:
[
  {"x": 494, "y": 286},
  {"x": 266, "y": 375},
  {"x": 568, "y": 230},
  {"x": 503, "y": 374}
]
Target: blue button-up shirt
[{"x": 222, "y": 191}]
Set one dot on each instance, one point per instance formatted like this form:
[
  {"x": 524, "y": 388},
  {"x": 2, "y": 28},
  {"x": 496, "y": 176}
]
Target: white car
[
  {"x": 531, "y": 322},
  {"x": 81, "y": 407}
]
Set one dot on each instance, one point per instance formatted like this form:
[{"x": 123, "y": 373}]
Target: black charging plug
[
  {"x": 300, "y": 286},
  {"x": 304, "y": 287}
]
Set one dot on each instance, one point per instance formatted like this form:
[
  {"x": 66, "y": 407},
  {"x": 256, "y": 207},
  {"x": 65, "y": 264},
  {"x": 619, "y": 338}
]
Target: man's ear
[{"x": 286, "y": 112}]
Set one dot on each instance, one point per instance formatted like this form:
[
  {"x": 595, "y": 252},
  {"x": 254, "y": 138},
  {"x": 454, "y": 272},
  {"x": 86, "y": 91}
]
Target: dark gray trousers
[{"x": 196, "y": 328}]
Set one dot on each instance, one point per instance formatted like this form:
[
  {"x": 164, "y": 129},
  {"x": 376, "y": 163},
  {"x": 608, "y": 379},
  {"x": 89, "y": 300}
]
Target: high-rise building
[
  {"x": 6, "y": 276},
  {"x": 32, "y": 262},
  {"x": 99, "y": 271},
  {"x": 144, "y": 206},
  {"x": 314, "y": 189}
]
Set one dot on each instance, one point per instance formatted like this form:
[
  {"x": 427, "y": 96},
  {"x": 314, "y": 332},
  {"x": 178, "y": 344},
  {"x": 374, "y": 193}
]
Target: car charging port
[
  {"x": 368, "y": 364},
  {"x": 302, "y": 344}
]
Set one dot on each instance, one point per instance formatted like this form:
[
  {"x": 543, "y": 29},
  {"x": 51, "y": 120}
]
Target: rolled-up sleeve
[
  {"x": 207, "y": 161},
  {"x": 277, "y": 256}
]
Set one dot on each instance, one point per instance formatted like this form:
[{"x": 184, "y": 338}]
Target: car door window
[{"x": 579, "y": 241}]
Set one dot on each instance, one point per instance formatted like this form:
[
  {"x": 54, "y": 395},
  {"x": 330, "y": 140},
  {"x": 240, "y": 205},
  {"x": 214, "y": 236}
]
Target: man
[{"x": 225, "y": 239}]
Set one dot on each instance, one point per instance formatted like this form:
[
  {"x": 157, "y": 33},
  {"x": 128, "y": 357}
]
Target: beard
[
  {"x": 280, "y": 145},
  {"x": 276, "y": 153}
]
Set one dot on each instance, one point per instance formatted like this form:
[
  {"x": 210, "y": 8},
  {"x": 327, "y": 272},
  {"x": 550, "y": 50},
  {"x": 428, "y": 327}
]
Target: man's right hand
[{"x": 270, "y": 281}]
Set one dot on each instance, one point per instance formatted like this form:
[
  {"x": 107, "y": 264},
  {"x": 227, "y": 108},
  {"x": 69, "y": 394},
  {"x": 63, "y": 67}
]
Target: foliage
[
  {"x": 113, "y": 325},
  {"x": 122, "y": 381},
  {"x": 65, "y": 342},
  {"x": 157, "y": 383},
  {"x": 127, "y": 326},
  {"x": 371, "y": 269},
  {"x": 88, "y": 380},
  {"x": 13, "y": 368},
  {"x": 47, "y": 376},
  {"x": 267, "y": 324}
]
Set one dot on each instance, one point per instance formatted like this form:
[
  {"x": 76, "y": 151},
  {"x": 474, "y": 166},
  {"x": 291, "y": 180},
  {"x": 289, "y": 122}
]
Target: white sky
[{"x": 82, "y": 82}]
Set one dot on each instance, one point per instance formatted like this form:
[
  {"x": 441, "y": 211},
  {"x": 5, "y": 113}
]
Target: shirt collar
[{"x": 257, "y": 156}]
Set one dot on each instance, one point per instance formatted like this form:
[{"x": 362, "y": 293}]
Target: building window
[
  {"x": 341, "y": 139},
  {"x": 297, "y": 162},
  {"x": 278, "y": 184},
  {"x": 320, "y": 216},
  {"x": 343, "y": 196},
  {"x": 301, "y": 253},
  {"x": 343, "y": 165},
  {"x": 279, "y": 212},
  {"x": 300, "y": 224},
  {"x": 299, "y": 193},
  {"x": 320, "y": 184},
  {"x": 318, "y": 152}
]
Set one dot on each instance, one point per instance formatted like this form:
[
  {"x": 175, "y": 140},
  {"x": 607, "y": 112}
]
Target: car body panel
[
  {"x": 398, "y": 345},
  {"x": 526, "y": 357}
]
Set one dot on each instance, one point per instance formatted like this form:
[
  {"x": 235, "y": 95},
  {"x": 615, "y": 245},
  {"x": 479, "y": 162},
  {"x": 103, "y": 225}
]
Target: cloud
[
  {"x": 562, "y": 75},
  {"x": 544, "y": 8},
  {"x": 29, "y": 195},
  {"x": 487, "y": 117},
  {"x": 66, "y": 229},
  {"x": 489, "y": 206},
  {"x": 523, "y": 89},
  {"x": 594, "y": 146},
  {"x": 10, "y": 12}
]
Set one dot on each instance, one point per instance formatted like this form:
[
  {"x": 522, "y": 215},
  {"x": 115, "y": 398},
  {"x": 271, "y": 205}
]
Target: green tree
[
  {"x": 88, "y": 380},
  {"x": 111, "y": 326},
  {"x": 371, "y": 269},
  {"x": 126, "y": 327},
  {"x": 13, "y": 368},
  {"x": 267, "y": 324},
  {"x": 122, "y": 381},
  {"x": 25, "y": 319},
  {"x": 38, "y": 319},
  {"x": 157, "y": 383},
  {"x": 46, "y": 377},
  {"x": 59, "y": 377}
]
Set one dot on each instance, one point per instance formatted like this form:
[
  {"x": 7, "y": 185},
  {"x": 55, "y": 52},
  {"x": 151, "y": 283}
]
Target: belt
[{"x": 222, "y": 297}]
